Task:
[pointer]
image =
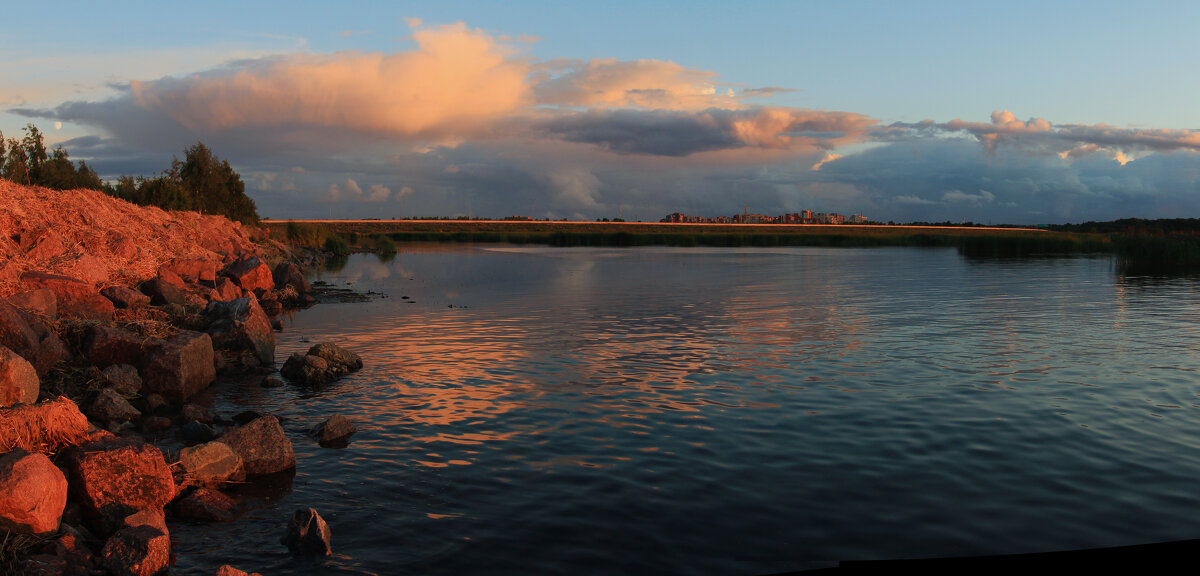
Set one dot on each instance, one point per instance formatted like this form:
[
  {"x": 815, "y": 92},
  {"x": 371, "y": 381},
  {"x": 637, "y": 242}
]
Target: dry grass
[
  {"x": 50, "y": 230},
  {"x": 45, "y": 427},
  {"x": 14, "y": 548}
]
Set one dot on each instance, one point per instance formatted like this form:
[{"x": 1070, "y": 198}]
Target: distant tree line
[
  {"x": 1136, "y": 226},
  {"x": 201, "y": 182},
  {"x": 27, "y": 162}
]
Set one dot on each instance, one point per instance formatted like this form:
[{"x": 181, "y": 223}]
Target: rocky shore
[{"x": 113, "y": 318}]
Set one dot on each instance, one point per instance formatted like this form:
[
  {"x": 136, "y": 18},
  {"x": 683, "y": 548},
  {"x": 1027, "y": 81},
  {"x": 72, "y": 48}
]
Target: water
[{"x": 729, "y": 411}]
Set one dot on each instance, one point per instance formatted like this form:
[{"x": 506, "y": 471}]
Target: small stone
[
  {"x": 272, "y": 381},
  {"x": 308, "y": 534},
  {"x": 196, "y": 432},
  {"x": 212, "y": 464},
  {"x": 109, "y": 405},
  {"x": 155, "y": 424},
  {"x": 123, "y": 378},
  {"x": 137, "y": 551},
  {"x": 334, "y": 431}
]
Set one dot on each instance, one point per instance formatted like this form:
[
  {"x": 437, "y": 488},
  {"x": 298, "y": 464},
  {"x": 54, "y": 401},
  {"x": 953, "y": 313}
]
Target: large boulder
[
  {"x": 107, "y": 345},
  {"x": 33, "y": 493},
  {"x": 288, "y": 274},
  {"x": 306, "y": 370},
  {"x": 15, "y": 332},
  {"x": 339, "y": 358},
  {"x": 212, "y": 464},
  {"x": 308, "y": 534},
  {"x": 75, "y": 298},
  {"x": 241, "y": 324},
  {"x": 262, "y": 445},
  {"x": 115, "y": 477},
  {"x": 180, "y": 366},
  {"x": 18, "y": 379},
  {"x": 137, "y": 551},
  {"x": 251, "y": 274}
]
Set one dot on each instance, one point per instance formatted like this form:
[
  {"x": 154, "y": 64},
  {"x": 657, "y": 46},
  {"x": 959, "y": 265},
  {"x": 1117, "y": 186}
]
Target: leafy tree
[
  {"x": 16, "y": 165},
  {"x": 215, "y": 186},
  {"x": 35, "y": 152}
]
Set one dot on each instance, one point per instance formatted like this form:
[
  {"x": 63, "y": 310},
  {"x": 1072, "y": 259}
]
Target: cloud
[
  {"x": 681, "y": 133},
  {"x": 957, "y": 196},
  {"x": 612, "y": 83},
  {"x": 1068, "y": 141},
  {"x": 828, "y": 157},
  {"x": 457, "y": 80},
  {"x": 765, "y": 92}
]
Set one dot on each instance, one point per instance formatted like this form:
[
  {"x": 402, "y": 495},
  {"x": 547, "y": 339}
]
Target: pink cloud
[{"x": 456, "y": 82}]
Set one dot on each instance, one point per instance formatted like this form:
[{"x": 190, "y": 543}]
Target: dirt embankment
[{"x": 102, "y": 240}]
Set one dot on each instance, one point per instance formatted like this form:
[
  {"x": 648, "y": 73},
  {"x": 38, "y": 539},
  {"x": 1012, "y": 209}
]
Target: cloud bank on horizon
[{"x": 466, "y": 123}]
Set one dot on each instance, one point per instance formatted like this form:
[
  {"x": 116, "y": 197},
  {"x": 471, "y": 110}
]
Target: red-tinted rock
[
  {"x": 15, "y": 332},
  {"x": 106, "y": 345},
  {"x": 18, "y": 380},
  {"x": 33, "y": 493},
  {"x": 308, "y": 534},
  {"x": 76, "y": 299},
  {"x": 50, "y": 349},
  {"x": 163, "y": 291},
  {"x": 212, "y": 464},
  {"x": 88, "y": 269},
  {"x": 251, "y": 274},
  {"x": 226, "y": 290},
  {"x": 288, "y": 274},
  {"x": 123, "y": 297},
  {"x": 137, "y": 551},
  {"x": 115, "y": 477},
  {"x": 40, "y": 301},
  {"x": 262, "y": 445},
  {"x": 207, "y": 505},
  {"x": 227, "y": 570},
  {"x": 179, "y": 367},
  {"x": 43, "y": 245},
  {"x": 241, "y": 324},
  {"x": 195, "y": 270}
]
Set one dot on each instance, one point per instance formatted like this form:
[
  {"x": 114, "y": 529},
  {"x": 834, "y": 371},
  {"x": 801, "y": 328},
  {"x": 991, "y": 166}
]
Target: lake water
[{"x": 543, "y": 410}]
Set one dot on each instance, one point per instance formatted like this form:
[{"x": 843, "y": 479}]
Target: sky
[{"x": 1017, "y": 112}]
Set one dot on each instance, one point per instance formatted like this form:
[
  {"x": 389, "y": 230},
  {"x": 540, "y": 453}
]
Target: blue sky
[{"x": 1018, "y": 112}]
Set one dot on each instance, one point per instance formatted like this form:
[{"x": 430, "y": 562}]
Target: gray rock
[
  {"x": 334, "y": 431},
  {"x": 109, "y": 405},
  {"x": 308, "y": 534}
]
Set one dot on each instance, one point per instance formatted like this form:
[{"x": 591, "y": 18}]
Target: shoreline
[{"x": 113, "y": 319}]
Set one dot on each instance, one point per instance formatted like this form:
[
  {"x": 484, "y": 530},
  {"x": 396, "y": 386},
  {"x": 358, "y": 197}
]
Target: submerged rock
[
  {"x": 207, "y": 505},
  {"x": 212, "y": 464},
  {"x": 334, "y": 432},
  {"x": 308, "y": 534}
]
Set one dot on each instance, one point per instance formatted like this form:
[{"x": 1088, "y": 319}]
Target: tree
[
  {"x": 35, "y": 152},
  {"x": 16, "y": 165},
  {"x": 215, "y": 186}
]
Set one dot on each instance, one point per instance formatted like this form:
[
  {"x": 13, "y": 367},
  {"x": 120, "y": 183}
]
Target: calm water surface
[{"x": 729, "y": 411}]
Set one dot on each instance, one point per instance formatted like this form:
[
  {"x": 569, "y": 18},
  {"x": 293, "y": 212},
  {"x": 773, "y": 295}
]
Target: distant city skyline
[{"x": 923, "y": 111}]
